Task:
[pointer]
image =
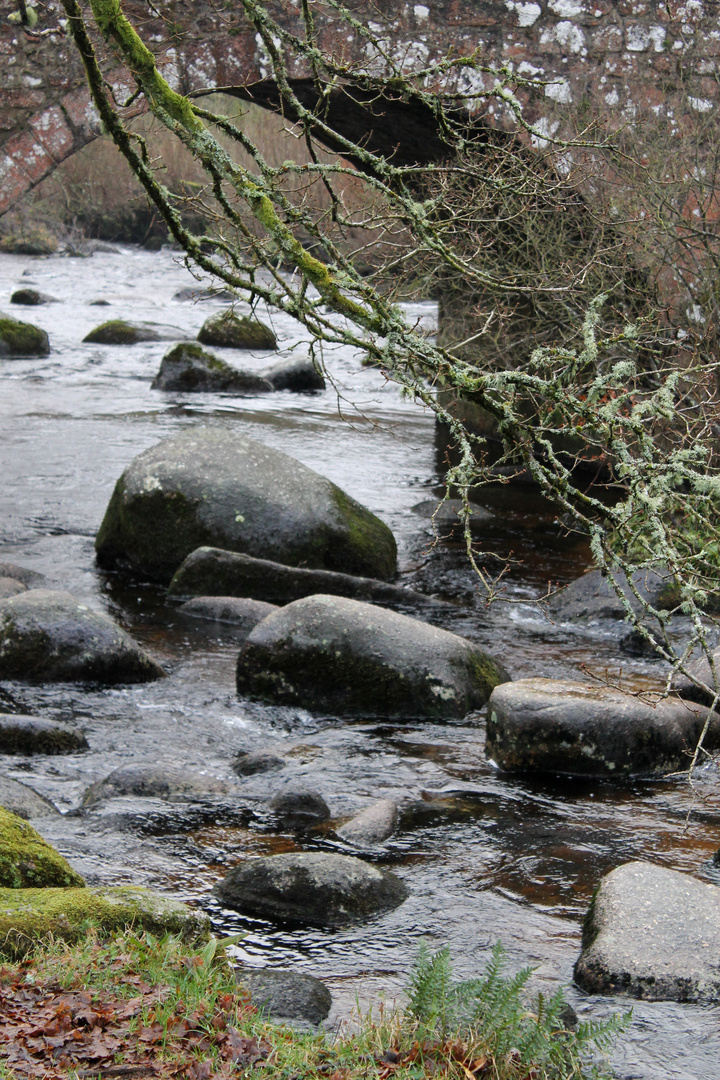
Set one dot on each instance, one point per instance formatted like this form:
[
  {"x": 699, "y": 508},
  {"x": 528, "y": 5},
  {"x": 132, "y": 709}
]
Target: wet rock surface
[
  {"x": 49, "y": 636},
  {"x": 591, "y": 598},
  {"x": 297, "y": 374},
  {"x": 213, "y": 486},
  {"x": 19, "y": 339},
  {"x": 242, "y": 613},
  {"x": 10, "y": 587},
  {"x": 702, "y": 671},
  {"x": 31, "y": 298},
  {"x": 652, "y": 933},
  {"x": 342, "y": 656},
  {"x": 35, "y": 735},
  {"x": 312, "y": 888},
  {"x": 287, "y": 995},
  {"x": 29, "y": 862},
  {"x": 189, "y": 369},
  {"x": 157, "y": 781},
  {"x": 298, "y": 808},
  {"x": 22, "y": 800},
  {"x": 250, "y": 764},
  {"x": 29, "y": 578},
  {"x": 371, "y": 826},
  {"x": 447, "y": 516},
  {"x": 120, "y": 332},
  {"x": 545, "y": 725},
  {"x": 230, "y": 331},
  {"x": 212, "y": 571}
]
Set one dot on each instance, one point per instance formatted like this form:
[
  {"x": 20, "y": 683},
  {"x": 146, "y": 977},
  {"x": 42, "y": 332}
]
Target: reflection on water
[{"x": 485, "y": 856}]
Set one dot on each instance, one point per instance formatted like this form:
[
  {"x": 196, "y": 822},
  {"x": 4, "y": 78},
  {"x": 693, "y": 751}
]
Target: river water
[{"x": 486, "y": 857}]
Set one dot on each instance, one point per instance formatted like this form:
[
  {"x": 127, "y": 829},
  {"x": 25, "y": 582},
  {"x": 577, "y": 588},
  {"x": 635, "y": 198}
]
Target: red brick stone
[
  {"x": 81, "y": 113},
  {"x": 13, "y": 183},
  {"x": 52, "y": 130},
  {"x": 30, "y": 155}
]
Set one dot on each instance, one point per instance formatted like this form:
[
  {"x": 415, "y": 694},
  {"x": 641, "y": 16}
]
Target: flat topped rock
[
  {"x": 35, "y": 735},
  {"x": 652, "y": 933},
  {"x": 345, "y": 657},
  {"x": 548, "y": 725},
  {"x": 310, "y": 888},
  {"x": 159, "y": 782},
  {"x": 120, "y": 332}
]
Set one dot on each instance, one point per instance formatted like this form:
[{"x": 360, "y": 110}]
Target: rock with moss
[
  {"x": 591, "y": 599},
  {"x": 230, "y": 331},
  {"x": 32, "y": 242},
  {"x": 36, "y": 735},
  {"x": 344, "y": 657},
  {"x": 22, "y": 800},
  {"x": 120, "y": 332},
  {"x": 31, "y": 298},
  {"x": 586, "y": 729},
  {"x": 29, "y": 862},
  {"x": 213, "y": 486},
  {"x": 28, "y": 916},
  {"x": 189, "y": 369},
  {"x": 20, "y": 339},
  {"x": 49, "y": 636},
  {"x": 297, "y": 374}
]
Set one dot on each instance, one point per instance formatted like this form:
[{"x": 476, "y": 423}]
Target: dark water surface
[{"x": 485, "y": 856}]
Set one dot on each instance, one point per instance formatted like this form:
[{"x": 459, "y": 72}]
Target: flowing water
[{"x": 486, "y": 857}]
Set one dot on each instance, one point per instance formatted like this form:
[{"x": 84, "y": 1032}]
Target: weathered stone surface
[
  {"x": 10, "y": 587},
  {"x": 286, "y": 995},
  {"x": 19, "y": 339},
  {"x": 311, "y": 888},
  {"x": 188, "y": 368},
  {"x": 299, "y": 808},
  {"x": 31, "y": 298},
  {"x": 591, "y": 598},
  {"x": 29, "y": 862},
  {"x": 344, "y": 657},
  {"x": 652, "y": 933},
  {"x": 29, "y": 915},
  {"x": 702, "y": 671},
  {"x": 27, "y": 577},
  {"x": 298, "y": 374},
  {"x": 546, "y": 725},
  {"x": 253, "y": 763},
  {"x": 157, "y": 781},
  {"x": 230, "y": 331},
  {"x": 214, "y": 486},
  {"x": 447, "y": 519},
  {"x": 373, "y": 825},
  {"x": 242, "y": 613},
  {"x": 48, "y": 636},
  {"x": 210, "y": 571},
  {"x": 120, "y": 332},
  {"x": 34, "y": 735},
  {"x": 37, "y": 242},
  {"x": 22, "y": 800}
]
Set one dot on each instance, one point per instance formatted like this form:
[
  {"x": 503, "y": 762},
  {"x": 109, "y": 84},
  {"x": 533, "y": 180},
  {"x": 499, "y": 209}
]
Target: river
[{"x": 486, "y": 857}]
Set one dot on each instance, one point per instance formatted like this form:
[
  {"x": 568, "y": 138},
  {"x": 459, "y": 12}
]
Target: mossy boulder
[
  {"x": 33, "y": 242},
  {"x": 22, "y": 800},
  {"x": 31, "y": 915},
  {"x": 22, "y": 339},
  {"x": 49, "y": 636},
  {"x": 213, "y": 486},
  {"x": 297, "y": 374},
  {"x": 230, "y": 331},
  {"x": 344, "y": 657},
  {"x": 188, "y": 368},
  {"x": 120, "y": 332},
  {"x": 29, "y": 862},
  {"x": 31, "y": 298}
]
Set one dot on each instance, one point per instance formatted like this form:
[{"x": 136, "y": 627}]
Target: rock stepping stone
[
  {"x": 298, "y": 375},
  {"x": 29, "y": 578},
  {"x": 35, "y": 735},
  {"x": 189, "y": 369},
  {"x": 20, "y": 339},
  {"x": 230, "y": 331},
  {"x": 259, "y": 762},
  {"x": 585, "y": 729},
  {"x": 344, "y": 657},
  {"x": 298, "y": 808},
  {"x": 591, "y": 598},
  {"x": 22, "y": 800},
  {"x": 372, "y": 826},
  {"x": 157, "y": 782},
  {"x": 652, "y": 933},
  {"x": 29, "y": 862}
]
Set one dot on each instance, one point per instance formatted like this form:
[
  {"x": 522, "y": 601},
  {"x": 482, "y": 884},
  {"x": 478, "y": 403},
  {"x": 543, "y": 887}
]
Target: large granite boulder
[
  {"x": 546, "y": 725},
  {"x": 22, "y": 800},
  {"x": 31, "y": 915},
  {"x": 211, "y": 571},
  {"x": 652, "y": 933},
  {"x": 35, "y": 735},
  {"x": 18, "y": 339},
  {"x": 230, "y": 331},
  {"x": 189, "y": 369},
  {"x": 312, "y": 888},
  {"x": 48, "y": 636},
  {"x": 591, "y": 599},
  {"x": 214, "y": 486},
  {"x": 341, "y": 656},
  {"x": 297, "y": 374},
  {"x": 29, "y": 862},
  {"x": 157, "y": 782}
]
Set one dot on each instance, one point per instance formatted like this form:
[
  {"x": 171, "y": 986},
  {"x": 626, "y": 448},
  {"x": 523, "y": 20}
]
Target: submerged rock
[
  {"x": 188, "y": 368},
  {"x": 246, "y": 764},
  {"x": 243, "y": 613},
  {"x": 19, "y": 339},
  {"x": 48, "y": 636},
  {"x": 546, "y": 725},
  {"x": 22, "y": 800},
  {"x": 120, "y": 332},
  {"x": 311, "y": 888},
  {"x": 30, "y": 915},
  {"x": 157, "y": 781},
  {"x": 446, "y": 515},
  {"x": 31, "y": 298},
  {"x": 373, "y": 825},
  {"x": 210, "y": 571},
  {"x": 652, "y": 933},
  {"x": 230, "y": 331},
  {"x": 286, "y": 995},
  {"x": 342, "y": 656},
  {"x": 298, "y": 374},
  {"x": 214, "y": 486},
  {"x": 299, "y": 808},
  {"x": 34, "y": 735},
  {"x": 29, "y": 862}
]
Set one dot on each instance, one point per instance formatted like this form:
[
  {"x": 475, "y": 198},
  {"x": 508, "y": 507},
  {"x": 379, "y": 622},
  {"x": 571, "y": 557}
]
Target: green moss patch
[
  {"x": 233, "y": 331},
  {"x": 28, "y": 861},
  {"x": 119, "y": 332},
  {"x": 22, "y": 339}
]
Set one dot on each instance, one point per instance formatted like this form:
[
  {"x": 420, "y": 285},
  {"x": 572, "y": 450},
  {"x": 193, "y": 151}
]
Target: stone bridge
[{"x": 621, "y": 58}]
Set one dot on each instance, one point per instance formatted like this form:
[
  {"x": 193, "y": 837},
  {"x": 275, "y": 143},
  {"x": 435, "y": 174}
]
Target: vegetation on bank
[{"x": 137, "y": 1005}]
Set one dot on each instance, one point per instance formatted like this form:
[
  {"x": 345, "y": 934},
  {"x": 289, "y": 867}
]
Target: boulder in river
[
  {"x": 701, "y": 670},
  {"x": 33, "y": 242},
  {"x": 341, "y": 656},
  {"x": 31, "y": 915},
  {"x": 20, "y": 339},
  {"x": 230, "y": 331},
  {"x": 314, "y": 888},
  {"x": 297, "y": 374},
  {"x": 157, "y": 782},
  {"x": 446, "y": 516},
  {"x": 48, "y": 636},
  {"x": 299, "y": 808},
  {"x": 242, "y": 613},
  {"x": 261, "y": 761},
  {"x": 22, "y": 800},
  {"x": 652, "y": 933},
  {"x": 551, "y": 726},
  {"x": 29, "y": 862},
  {"x": 214, "y": 486},
  {"x": 30, "y": 578},
  {"x": 286, "y": 995},
  {"x": 195, "y": 294},
  {"x": 31, "y": 298},
  {"x": 10, "y": 587},
  {"x": 373, "y": 825},
  {"x": 591, "y": 598},
  {"x": 120, "y": 332},
  {"x": 210, "y": 571},
  {"x": 188, "y": 368},
  {"x": 35, "y": 735}
]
